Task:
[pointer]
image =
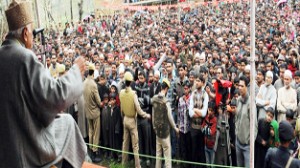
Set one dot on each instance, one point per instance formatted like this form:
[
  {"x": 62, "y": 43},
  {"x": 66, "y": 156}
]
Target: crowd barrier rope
[{"x": 154, "y": 157}]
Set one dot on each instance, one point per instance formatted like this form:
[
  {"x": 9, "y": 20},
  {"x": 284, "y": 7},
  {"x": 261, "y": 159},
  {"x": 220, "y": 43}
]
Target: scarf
[{"x": 274, "y": 141}]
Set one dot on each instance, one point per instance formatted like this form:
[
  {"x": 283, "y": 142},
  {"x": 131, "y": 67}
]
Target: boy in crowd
[{"x": 209, "y": 128}]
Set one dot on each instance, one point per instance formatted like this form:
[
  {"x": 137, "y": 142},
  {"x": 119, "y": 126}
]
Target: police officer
[
  {"x": 92, "y": 110},
  {"x": 281, "y": 156},
  {"x": 162, "y": 119},
  {"x": 130, "y": 107}
]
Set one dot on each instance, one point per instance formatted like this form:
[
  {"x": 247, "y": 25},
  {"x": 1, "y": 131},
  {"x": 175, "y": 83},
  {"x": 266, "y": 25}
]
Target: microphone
[{"x": 37, "y": 31}]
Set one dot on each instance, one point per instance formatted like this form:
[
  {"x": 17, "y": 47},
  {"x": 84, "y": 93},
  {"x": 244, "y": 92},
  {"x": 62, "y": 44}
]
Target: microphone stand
[
  {"x": 43, "y": 49},
  {"x": 42, "y": 37}
]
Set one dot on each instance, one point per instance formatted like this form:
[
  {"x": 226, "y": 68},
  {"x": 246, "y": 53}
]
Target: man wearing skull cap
[
  {"x": 33, "y": 133},
  {"x": 287, "y": 97}
]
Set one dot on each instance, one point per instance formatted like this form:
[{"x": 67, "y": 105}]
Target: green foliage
[{"x": 116, "y": 165}]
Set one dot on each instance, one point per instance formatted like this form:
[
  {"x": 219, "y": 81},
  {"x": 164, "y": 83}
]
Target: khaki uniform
[
  {"x": 92, "y": 110},
  {"x": 130, "y": 107},
  {"x": 162, "y": 120},
  {"x": 54, "y": 71}
]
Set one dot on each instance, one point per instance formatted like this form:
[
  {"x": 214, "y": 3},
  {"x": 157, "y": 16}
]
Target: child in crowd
[
  {"x": 115, "y": 127},
  {"x": 209, "y": 127},
  {"x": 274, "y": 134},
  {"x": 263, "y": 135},
  {"x": 294, "y": 143},
  {"x": 114, "y": 89},
  {"x": 105, "y": 115}
]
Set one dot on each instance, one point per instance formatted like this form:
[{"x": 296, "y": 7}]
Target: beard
[
  {"x": 287, "y": 86},
  {"x": 199, "y": 87}
]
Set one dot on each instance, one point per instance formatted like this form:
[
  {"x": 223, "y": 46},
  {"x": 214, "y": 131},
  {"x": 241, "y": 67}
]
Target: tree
[
  {"x": 3, "y": 23},
  {"x": 71, "y": 9},
  {"x": 80, "y": 5}
]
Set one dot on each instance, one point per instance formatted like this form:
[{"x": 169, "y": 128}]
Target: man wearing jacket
[
  {"x": 197, "y": 111},
  {"x": 242, "y": 124},
  {"x": 92, "y": 111},
  {"x": 162, "y": 119},
  {"x": 144, "y": 127}
]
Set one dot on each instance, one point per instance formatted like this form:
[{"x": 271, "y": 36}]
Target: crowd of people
[{"x": 201, "y": 55}]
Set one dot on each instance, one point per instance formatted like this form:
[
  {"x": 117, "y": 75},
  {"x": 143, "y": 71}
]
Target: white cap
[
  {"x": 157, "y": 73},
  {"x": 269, "y": 74},
  {"x": 197, "y": 55},
  {"x": 101, "y": 55},
  {"x": 248, "y": 67},
  {"x": 121, "y": 69},
  {"x": 202, "y": 56},
  {"x": 288, "y": 73}
]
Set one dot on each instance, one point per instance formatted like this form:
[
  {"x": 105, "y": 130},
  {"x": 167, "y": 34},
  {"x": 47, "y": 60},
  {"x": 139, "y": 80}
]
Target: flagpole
[{"x": 252, "y": 82}]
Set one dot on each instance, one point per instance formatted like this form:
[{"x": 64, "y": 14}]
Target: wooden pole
[
  {"x": 71, "y": 9},
  {"x": 252, "y": 83},
  {"x": 37, "y": 13}
]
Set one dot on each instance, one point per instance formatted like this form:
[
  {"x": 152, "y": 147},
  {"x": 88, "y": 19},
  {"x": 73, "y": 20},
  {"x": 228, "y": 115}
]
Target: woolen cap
[
  {"x": 19, "y": 14},
  {"x": 297, "y": 73},
  {"x": 286, "y": 131}
]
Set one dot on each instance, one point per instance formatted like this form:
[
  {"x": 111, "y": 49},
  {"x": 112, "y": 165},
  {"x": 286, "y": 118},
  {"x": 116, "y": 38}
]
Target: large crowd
[{"x": 202, "y": 49}]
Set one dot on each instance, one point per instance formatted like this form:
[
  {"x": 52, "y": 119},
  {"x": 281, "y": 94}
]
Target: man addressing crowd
[{"x": 32, "y": 132}]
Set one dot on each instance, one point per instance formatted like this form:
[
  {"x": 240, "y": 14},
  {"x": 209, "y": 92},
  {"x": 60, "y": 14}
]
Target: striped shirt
[{"x": 183, "y": 114}]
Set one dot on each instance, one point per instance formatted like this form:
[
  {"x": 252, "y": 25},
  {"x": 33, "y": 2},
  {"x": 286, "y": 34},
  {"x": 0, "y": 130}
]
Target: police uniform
[
  {"x": 281, "y": 157},
  {"x": 130, "y": 107},
  {"x": 162, "y": 119}
]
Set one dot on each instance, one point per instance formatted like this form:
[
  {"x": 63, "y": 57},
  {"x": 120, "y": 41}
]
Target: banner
[{"x": 181, "y": 5}]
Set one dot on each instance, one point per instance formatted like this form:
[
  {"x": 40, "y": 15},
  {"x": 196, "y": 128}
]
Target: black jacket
[
  {"x": 278, "y": 158},
  {"x": 143, "y": 94},
  {"x": 102, "y": 89},
  {"x": 155, "y": 88}
]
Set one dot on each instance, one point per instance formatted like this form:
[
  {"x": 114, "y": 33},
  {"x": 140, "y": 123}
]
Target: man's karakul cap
[{"x": 18, "y": 15}]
